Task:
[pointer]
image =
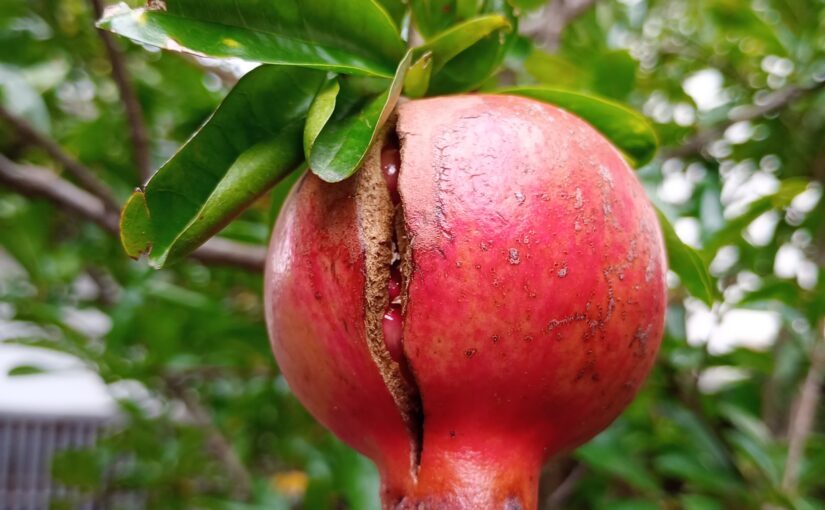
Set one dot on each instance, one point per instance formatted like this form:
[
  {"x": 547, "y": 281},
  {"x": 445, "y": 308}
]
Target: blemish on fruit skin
[
  {"x": 513, "y": 257},
  {"x": 562, "y": 272},
  {"x": 579, "y": 199},
  {"x": 519, "y": 196},
  {"x": 513, "y": 504},
  {"x": 606, "y": 175},
  {"x": 469, "y": 353}
]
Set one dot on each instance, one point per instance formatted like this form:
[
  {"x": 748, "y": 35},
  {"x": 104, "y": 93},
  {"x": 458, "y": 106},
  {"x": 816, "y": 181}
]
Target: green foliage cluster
[{"x": 209, "y": 422}]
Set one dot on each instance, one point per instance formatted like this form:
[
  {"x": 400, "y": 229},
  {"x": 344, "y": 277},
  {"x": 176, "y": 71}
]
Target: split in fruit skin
[
  {"x": 392, "y": 321},
  {"x": 390, "y": 166}
]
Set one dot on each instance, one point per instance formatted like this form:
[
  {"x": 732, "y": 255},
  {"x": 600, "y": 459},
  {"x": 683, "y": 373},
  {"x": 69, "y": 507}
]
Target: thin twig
[
  {"x": 565, "y": 488},
  {"x": 87, "y": 179},
  {"x": 239, "y": 477},
  {"x": 35, "y": 181},
  {"x": 134, "y": 113},
  {"x": 773, "y": 103},
  {"x": 547, "y": 26},
  {"x": 40, "y": 182},
  {"x": 804, "y": 411}
]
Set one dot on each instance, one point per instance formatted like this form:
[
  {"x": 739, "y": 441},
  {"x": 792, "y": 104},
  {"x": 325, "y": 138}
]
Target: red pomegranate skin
[
  {"x": 315, "y": 311},
  {"x": 535, "y": 304}
]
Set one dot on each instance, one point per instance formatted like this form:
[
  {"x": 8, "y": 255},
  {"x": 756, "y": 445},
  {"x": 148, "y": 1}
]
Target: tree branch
[
  {"x": 87, "y": 179},
  {"x": 547, "y": 27},
  {"x": 773, "y": 103},
  {"x": 40, "y": 182},
  {"x": 804, "y": 411},
  {"x": 134, "y": 113},
  {"x": 565, "y": 488}
]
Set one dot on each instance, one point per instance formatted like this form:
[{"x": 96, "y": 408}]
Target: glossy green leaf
[
  {"x": 395, "y": 8},
  {"x": 614, "y": 74},
  {"x": 688, "y": 264},
  {"x": 250, "y": 143},
  {"x": 343, "y": 142},
  {"x": 629, "y": 130},
  {"x": 347, "y": 36},
  {"x": 473, "y": 66},
  {"x": 320, "y": 112},
  {"x": 453, "y": 41},
  {"x": 434, "y": 16},
  {"x": 136, "y": 226},
  {"x": 418, "y": 76},
  {"x": 555, "y": 70}
]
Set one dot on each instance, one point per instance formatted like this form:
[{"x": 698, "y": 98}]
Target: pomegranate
[{"x": 487, "y": 291}]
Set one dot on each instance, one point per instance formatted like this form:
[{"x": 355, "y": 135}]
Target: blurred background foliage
[{"x": 729, "y": 418}]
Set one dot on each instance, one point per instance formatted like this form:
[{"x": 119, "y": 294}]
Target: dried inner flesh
[
  {"x": 392, "y": 326},
  {"x": 386, "y": 248}
]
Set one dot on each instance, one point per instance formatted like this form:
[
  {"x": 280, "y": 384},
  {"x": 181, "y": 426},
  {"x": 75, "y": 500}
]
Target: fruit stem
[{"x": 453, "y": 475}]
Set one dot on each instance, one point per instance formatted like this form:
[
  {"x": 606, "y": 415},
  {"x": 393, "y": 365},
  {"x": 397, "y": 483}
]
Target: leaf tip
[{"x": 136, "y": 226}]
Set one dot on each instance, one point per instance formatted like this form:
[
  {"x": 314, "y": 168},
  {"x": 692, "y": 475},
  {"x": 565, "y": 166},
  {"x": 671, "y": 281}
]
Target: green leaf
[
  {"x": 614, "y": 74},
  {"x": 472, "y": 67},
  {"x": 251, "y": 142},
  {"x": 469, "y": 68},
  {"x": 320, "y": 112},
  {"x": 25, "y": 370},
  {"x": 434, "y": 16},
  {"x": 347, "y": 36},
  {"x": 554, "y": 70},
  {"x": 343, "y": 142},
  {"x": 629, "y": 130},
  {"x": 453, "y": 41},
  {"x": 136, "y": 226},
  {"x": 609, "y": 458},
  {"x": 395, "y": 8},
  {"x": 418, "y": 76},
  {"x": 688, "y": 264}
]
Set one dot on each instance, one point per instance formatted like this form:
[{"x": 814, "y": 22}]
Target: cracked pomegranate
[{"x": 487, "y": 291}]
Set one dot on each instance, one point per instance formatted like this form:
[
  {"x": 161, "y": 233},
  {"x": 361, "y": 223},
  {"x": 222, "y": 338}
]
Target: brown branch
[
  {"x": 804, "y": 411},
  {"x": 134, "y": 113},
  {"x": 223, "y": 252},
  {"x": 40, "y": 182},
  {"x": 239, "y": 477},
  {"x": 773, "y": 103},
  {"x": 87, "y": 179},
  {"x": 547, "y": 27},
  {"x": 565, "y": 488}
]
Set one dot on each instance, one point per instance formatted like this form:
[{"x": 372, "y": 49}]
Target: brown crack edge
[{"x": 378, "y": 220}]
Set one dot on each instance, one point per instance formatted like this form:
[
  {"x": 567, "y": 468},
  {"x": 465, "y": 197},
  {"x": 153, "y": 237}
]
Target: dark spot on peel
[{"x": 513, "y": 503}]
